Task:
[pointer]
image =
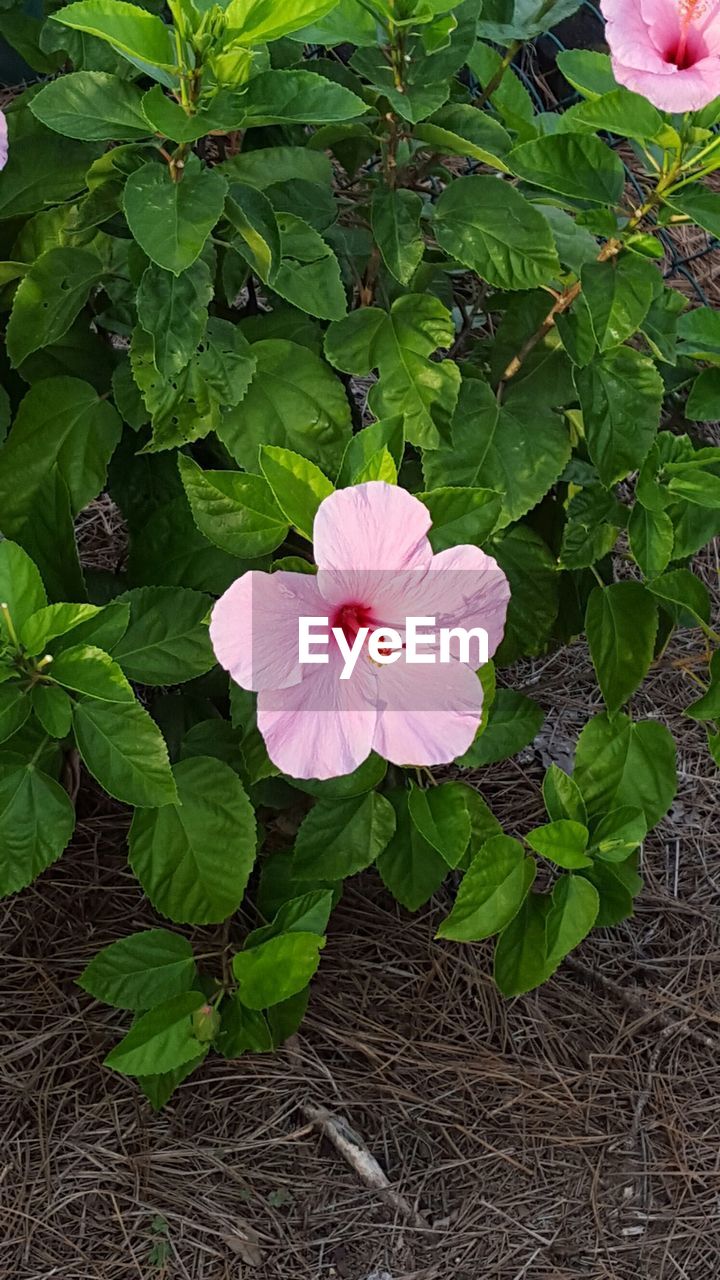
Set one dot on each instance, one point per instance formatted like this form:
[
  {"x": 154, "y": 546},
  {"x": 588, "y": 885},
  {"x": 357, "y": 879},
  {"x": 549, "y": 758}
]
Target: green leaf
[
  {"x": 587, "y": 71},
  {"x": 409, "y": 866},
  {"x": 193, "y": 857},
  {"x": 257, "y": 238},
  {"x": 365, "y": 446},
  {"x": 684, "y": 596},
  {"x": 651, "y": 537},
  {"x": 703, "y": 403},
  {"x": 36, "y": 822},
  {"x": 88, "y": 671},
  {"x": 616, "y": 884},
  {"x": 573, "y": 912},
  {"x": 461, "y": 515},
  {"x": 172, "y": 309},
  {"x": 562, "y": 796},
  {"x": 521, "y": 951},
  {"x": 53, "y": 708},
  {"x": 595, "y": 518},
  {"x": 516, "y": 451},
  {"x": 532, "y": 573},
  {"x": 170, "y": 220},
  {"x": 15, "y": 707},
  {"x": 92, "y": 105},
  {"x": 297, "y": 485},
  {"x": 693, "y": 483},
  {"x": 399, "y": 344},
  {"x": 258, "y": 21},
  {"x": 48, "y": 299},
  {"x": 618, "y": 293},
  {"x": 158, "y": 1089},
  {"x": 308, "y": 275},
  {"x": 242, "y": 1030},
  {"x": 491, "y": 892},
  {"x": 463, "y": 130},
  {"x": 234, "y": 509},
  {"x": 619, "y": 763},
  {"x": 161, "y": 1039},
  {"x": 365, "y": 778},
  {"x": 294, "y": 401},
  {"x": 52, "y": 621},
  {"x": 42, "y": 169},
  {"x": 139, "y": 36},
  {"x": 621, "y": 395},
  {"x": 61, "y": 426},
  {"x": 277, "y": 969},
  {"x": 575, "y": 165},
  {"x": 563, "y": 842},
  {"x": 296, "y": 97},
  {"x": 620, "y": 112},
  {"x": 140, "y": 971},
  {"x": 699, "y": 204},
  {"x": 618, "y": 834},
  {"x": 708, "y": 706},
  {"x": 510, "y": 99},
  {"x": 167, "y": 640},
  {"x": 395, "y": 217},
  {"x": 339, "y": 838},
  {"x": 621, "y": 625},
  {"x": 442, "y": 817},
  {"x": 514, "y": 722},
  {"x": 488, "y": 226},
  {"x": 124, "y": 751},
  {"x": 308, "y": 913},
  {"x": 21, "y": 589}
]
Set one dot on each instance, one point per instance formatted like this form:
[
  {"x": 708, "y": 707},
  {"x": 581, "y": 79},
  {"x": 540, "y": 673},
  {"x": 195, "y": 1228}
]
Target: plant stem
[{"x": 496, "y": 80}]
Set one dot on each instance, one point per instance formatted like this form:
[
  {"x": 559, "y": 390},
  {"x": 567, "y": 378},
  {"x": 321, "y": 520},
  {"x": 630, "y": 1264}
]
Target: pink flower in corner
[
  {"x": 376, "y": 568},
  {"x": 666, "y": 50},
  {"x": 3, "y": 141}
]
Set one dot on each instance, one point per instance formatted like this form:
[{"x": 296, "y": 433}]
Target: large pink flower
[
  {"x": 666, "y": 50},
  {"x": 376, "y": 568},
  {"x": 3, "y": 141}
]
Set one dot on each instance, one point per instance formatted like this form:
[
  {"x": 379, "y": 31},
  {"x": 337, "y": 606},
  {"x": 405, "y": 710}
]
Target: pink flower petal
[
  {"x": 369, "y": 527},
  {"x": 474, "y": 592},
  {"x": 427, "y": 714},
  {"x": 687, "y": 90},
  {"x": 323, "y": 727},
  {"x": 662, "y": 19},
  {"x": 3, "y": 141},
  {"x": 629, "y": 38},
  {"x": 254, "y": 627}
]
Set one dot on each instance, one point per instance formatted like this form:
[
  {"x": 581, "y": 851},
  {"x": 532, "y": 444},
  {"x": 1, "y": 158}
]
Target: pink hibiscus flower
[
  {"x": 666, "y": 50},
  {"x": 3, "y": 141},
  {"x": 376, "y": 568}
]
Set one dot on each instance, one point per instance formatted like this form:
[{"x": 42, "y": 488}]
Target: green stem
[
  {"x": 496, "y": 80},
  {"x": 9, "y": 624}
]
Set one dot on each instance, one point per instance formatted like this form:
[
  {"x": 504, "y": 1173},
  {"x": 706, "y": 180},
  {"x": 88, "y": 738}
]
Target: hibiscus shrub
[{"x": 217, "y": 221}]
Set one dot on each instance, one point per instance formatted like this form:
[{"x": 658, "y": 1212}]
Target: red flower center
[
  {"x": 350, "y": 618},
  {"x": 689, "y": 47}
]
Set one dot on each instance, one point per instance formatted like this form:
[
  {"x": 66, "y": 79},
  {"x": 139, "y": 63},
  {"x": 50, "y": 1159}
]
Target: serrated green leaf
[
  {"x": 341, "y": 837},
  {"x": 297, "y": 485},
  {"x": 488, "y": 226},
  {"x": 277, "y": 969},
  {"x": 160, "y": 1040},
  {"x": 140, "y": 971},
  {"x": 193, "y": 857},
  {"x": 234, "y": 509},
  {"x": 36, "y": 822},
  {"x": 124, "y": 750},
  {"x": 621, "y": 625},
  {"x": 171, "y": 221},
  {"x": 491, "y": 892},
  {"x": 167, "y": 639}
]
